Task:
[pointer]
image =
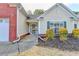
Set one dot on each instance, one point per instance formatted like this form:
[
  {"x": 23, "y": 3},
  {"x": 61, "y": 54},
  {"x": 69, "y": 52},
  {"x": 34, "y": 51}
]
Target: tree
[{"x": 38, "y": 11}]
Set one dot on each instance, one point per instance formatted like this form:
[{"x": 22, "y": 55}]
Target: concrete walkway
[{"x": 8, "y": 48}]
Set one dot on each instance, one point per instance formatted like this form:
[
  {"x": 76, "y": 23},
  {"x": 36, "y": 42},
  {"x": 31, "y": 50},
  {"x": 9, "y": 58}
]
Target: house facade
[
  {"x": 55, "y": 17},
  {"x": 15, "y": 23},
  {"x": 12, "y": 21}
]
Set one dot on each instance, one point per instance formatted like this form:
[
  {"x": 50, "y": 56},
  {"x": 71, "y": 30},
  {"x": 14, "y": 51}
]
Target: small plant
[
  {"x": 49, "y": 34},
  {"x": 63, "y": 34},
  {"x": 75, "y": 33}
]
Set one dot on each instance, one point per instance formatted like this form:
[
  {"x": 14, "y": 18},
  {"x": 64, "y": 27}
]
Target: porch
[{"x": 33, "y": 26}]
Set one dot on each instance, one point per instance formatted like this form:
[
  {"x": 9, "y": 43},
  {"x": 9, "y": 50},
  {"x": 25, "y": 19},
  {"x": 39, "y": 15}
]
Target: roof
[
  {"x": 32, "y": 16},
  {"x": 61, "y": 5}
]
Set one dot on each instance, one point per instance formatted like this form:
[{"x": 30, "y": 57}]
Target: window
[
  {"x": 51, "y": 24},
  {"x": 56, "y": 24},
  {"x": 61, "y": 24},
  {"x": 75, "y": 25}
]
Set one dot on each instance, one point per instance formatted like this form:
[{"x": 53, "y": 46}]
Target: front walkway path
[{"x": 8, "y": 48}]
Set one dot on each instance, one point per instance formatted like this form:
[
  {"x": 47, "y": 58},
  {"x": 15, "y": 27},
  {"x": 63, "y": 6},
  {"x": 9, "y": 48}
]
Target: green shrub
[
  {"x": 75, "y": 33},
  {"x": 63, "y": 34},
  {"x": 49, "y": 34}
]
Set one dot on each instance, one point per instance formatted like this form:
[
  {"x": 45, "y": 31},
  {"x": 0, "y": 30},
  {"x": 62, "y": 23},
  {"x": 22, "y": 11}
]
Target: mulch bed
[{"x": 71, "y": 44}]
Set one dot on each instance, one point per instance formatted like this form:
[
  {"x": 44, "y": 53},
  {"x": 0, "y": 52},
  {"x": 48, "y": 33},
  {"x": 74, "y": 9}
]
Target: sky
[
  {"x": 45, "y": 6},
  {"x": 74, "y": 6}
]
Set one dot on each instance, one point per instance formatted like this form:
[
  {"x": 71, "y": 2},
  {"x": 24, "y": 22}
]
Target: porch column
[{"x": 38, "y": 27}]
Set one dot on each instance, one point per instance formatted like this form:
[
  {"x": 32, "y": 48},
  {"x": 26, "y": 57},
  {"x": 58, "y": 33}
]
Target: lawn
[{"x": 47, "y": 51}]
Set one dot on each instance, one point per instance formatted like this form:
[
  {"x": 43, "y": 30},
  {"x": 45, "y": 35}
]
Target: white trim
[
  {"x": 29, "y": 29},
  {"x": 31, "y": 20},
  {"x": 39, "y": 27}
]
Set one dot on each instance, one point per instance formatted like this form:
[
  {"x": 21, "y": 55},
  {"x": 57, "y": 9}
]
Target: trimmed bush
[
  {"x": 49, "y": 34},
  {"x": 63, "y": 34},
  {"x": 75, "y": 33}
]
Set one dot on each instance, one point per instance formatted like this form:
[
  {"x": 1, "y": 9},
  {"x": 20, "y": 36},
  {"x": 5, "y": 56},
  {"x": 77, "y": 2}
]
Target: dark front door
[{"x": 56, "y": 28}]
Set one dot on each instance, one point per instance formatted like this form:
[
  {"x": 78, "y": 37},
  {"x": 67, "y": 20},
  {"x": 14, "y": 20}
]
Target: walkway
[{"x": 8, "y": 48}]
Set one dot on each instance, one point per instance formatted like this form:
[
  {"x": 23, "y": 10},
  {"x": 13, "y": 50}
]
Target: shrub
[
  {"x": 75, "y": 33},
  {"x": 63, "y": 34},
  {"x": 49, "y": 34}
]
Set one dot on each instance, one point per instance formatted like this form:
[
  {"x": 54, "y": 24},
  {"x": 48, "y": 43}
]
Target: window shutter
[
  {"x": 75, "y": 25},
  {"x": 65, "y": 24},
  {"x": 48, "y": 25}
]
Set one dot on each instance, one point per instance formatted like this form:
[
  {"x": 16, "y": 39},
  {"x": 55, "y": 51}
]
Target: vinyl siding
[
  {"x": 22, "y": 27},
  {"x": 57, "y": 14}
]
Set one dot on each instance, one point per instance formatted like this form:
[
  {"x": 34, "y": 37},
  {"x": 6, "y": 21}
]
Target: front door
[
  {"x": 34, "y": 28},
  {"x": 56, "y": 28},
  {"x": 4, "y": 30}
]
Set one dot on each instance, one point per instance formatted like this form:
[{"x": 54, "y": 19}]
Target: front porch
[{"x": 33, "y": 26}]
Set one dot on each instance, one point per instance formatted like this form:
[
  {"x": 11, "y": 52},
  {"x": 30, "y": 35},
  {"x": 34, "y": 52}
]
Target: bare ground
[{"x": 48, "y": 51}]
